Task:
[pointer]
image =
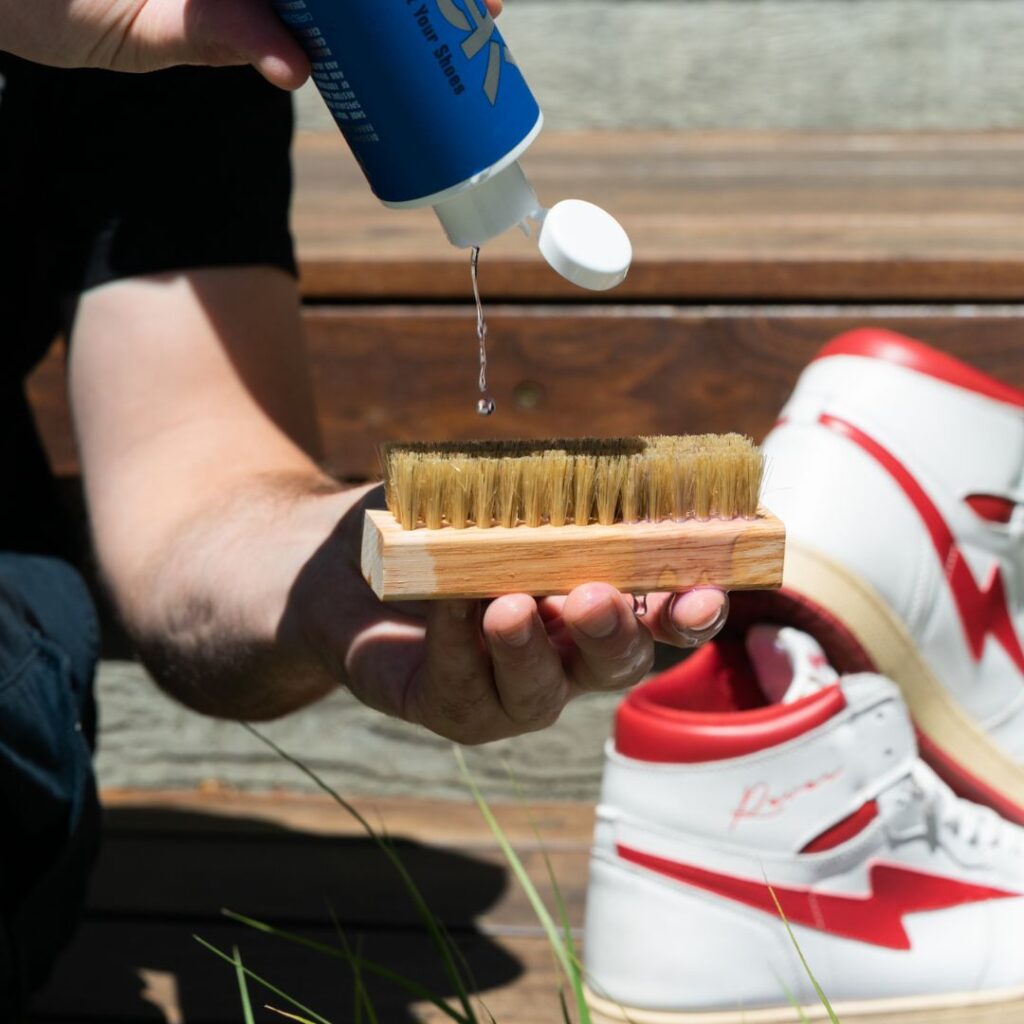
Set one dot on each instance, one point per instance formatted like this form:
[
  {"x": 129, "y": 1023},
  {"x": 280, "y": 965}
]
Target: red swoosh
[
  {"x": 983, "y": 609},
  {"x": 875, "y": 918}
]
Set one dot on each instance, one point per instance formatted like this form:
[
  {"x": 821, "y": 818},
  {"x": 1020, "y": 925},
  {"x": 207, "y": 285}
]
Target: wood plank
[
  {"x": 98, "y": 980},
  {"x": 454, "y": 823},
  {"x": 193, "y": 877},
  {"x": 226, "y": 849},
  {"x": 713, "y": 216},
  {"x": 395, "y": 373}
]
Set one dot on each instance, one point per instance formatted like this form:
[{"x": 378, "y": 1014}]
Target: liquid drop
[
  {"x": 486, "y": 405},
  {"x": 639, "y": 605}
]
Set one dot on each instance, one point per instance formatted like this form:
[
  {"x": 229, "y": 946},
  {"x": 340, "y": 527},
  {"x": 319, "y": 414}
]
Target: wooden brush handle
[{"x": 637, "y": 558}]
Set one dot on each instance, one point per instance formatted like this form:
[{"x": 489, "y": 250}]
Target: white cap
[
  {"x": 585, "y": 245},
  {"x": 475, "y": 215}
]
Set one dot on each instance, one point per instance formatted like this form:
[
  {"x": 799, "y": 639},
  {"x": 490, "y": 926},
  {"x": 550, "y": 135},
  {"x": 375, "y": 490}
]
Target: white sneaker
[
  {"x": 899, "y": 473},
  {"x": 734, "y": 772}
]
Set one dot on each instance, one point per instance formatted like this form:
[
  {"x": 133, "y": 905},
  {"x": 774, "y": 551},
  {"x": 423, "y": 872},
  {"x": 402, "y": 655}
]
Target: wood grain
[
  {"x": 713, "y": 216},
  {"x": 457, "y": 823},
  {"x": 408, "y": 373},
  {"x": 171, "y": 860},
  {"x": 635, "y": 558},
  {"x": 110, "y": 963}
]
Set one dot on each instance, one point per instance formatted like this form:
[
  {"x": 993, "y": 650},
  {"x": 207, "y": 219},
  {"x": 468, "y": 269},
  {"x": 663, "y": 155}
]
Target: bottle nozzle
[{"x": 475, "y": 215}]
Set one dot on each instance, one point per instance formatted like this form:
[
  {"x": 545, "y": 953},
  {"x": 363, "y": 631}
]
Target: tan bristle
[
  {"x": 611, "y": 471},
  {"x": 401, "y": 491},
  {"x": 534, "y": 489},
  {"x": 584, "y": 470},
  {"x": 459, "y": 492},
  {"x": 615, "y": 480},
  {"x": 430, "y": 483},
  {"x": 509, "y": 477},
  {"x": 631, "y": 488},
  {"x": 484, "y": 491},
  {"x": 558, "y": 473}
]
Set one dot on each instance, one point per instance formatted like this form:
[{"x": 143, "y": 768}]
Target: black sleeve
[{"x": 175, "y": 170}]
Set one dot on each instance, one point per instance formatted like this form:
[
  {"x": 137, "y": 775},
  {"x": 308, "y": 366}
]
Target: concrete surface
[
  {"x": 751, "y": 64},
  {"x": 148, "y": 741}
]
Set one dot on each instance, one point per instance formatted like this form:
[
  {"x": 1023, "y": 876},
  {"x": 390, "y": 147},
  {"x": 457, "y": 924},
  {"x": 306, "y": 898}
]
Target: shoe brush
[{"x": 486, "y": 518}]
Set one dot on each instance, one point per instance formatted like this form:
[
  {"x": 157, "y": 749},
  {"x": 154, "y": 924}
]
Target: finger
[
  {"x": 495, "y": 7},
  {"x": 613, "y": 649},
  {"x": 454, "y": 694},
  {"x": 244, "y": 32},
  {"x": 689, "y": 619},
  {"x": 528, "y": 672}
]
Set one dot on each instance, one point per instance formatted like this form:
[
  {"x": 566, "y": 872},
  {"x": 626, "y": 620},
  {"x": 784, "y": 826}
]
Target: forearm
[
  {"x": 217, "y": 612},
  {"x": 197, "y": 439}
]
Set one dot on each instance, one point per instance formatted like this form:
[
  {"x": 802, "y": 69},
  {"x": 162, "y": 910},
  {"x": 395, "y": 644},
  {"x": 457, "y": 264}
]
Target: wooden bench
[
  {"x": 751, "y": 251},
  {"x": 170, "y": 861}
]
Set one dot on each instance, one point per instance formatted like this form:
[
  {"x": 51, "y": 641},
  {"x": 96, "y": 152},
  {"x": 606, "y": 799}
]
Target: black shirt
[{"x": 106, "y": 176}]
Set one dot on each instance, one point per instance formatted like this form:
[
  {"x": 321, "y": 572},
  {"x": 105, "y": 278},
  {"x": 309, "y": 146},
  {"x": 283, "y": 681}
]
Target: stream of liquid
[{"x": 485, "y": 405}]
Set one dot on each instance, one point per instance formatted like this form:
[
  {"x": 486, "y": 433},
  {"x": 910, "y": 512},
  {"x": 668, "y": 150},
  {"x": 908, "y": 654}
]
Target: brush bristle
[{"x": 512, "y": 483}]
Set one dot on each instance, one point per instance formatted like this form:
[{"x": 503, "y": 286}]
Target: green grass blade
[
  {"x": 362, "y": 1003},
  {"x": 409, "y": 985},
  {"x": 566, "y": 1019},
  {"x": 317, "y": 1019},
  {"x": 792, "y": 1000},
  {"x": 437, "y": 935},
  {"x": 290, "y": 1016},
  {"x": 243, "y": 987},
  {"x": 550, "y": 928},
  {"x": 576, "y": 977},
  {"x": 823, "y": 999}
]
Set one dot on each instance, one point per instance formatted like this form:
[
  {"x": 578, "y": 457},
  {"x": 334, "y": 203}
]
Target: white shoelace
[{"x": 976, "y": 826}]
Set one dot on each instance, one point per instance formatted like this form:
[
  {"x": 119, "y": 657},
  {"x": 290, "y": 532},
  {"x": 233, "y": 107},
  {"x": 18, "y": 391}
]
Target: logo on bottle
[{"x": 480, "y": 26}]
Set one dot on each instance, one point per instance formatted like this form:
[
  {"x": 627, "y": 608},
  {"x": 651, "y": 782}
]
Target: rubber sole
[
  {"x": 1004, "y": 1006},
  {"x": 946, "y": 729}
]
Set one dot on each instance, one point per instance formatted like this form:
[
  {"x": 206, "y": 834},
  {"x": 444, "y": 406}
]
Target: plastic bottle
[{"x": 437, "y": 112}]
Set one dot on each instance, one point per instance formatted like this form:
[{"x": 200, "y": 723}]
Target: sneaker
[
  {"x": 899, "y": 473},
  {"x": 752, "y": 772}
]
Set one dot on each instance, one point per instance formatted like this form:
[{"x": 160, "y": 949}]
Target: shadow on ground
[{"x": 164, "y": 876}]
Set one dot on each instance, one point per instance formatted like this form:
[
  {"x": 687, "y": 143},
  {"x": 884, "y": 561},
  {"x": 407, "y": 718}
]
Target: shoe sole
[
  {"x": 1005, "y": 1006},
  {"x": 949, "y": 736}
]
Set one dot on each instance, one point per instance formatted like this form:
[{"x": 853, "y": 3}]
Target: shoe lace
[{"x": 978, "y": 827}]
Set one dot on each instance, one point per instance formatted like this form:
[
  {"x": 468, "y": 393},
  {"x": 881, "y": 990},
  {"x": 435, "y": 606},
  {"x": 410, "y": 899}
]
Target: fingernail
[
  {"x": 517, "y": 636},
  {"x": 601, "y": 622},
  {"x": 712, "y": 620},
  {"x": 694, "y": 636}
]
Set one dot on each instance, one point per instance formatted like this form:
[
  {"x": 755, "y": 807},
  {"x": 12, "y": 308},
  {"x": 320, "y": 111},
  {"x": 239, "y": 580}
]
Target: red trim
[
  {"x": 964, "y": 783},
  {"x": 876, "y": 917},
  {"x": 991, "y": 507},
  {"x": 845, "y": 830},
  {"x": 661, "y": 721},
  {"x": 983, "y": 609},
  {"x": 788, "y": 608},
  {"x": 876, "y": 343}
]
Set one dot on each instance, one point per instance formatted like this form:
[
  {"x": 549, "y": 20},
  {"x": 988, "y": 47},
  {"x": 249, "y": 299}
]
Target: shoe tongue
[{"x": 788, "y": 664}]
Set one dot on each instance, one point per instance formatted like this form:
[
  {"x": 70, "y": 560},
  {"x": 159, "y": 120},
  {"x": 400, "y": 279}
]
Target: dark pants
[{"x": 49, "y": 813}]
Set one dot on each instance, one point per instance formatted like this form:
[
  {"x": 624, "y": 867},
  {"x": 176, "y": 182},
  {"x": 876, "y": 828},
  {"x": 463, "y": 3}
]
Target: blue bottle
[{"x": 437, "y": 112}]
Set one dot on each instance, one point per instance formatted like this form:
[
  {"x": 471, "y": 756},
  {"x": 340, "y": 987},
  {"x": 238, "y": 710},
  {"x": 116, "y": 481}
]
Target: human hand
[
  {"x": 479, "y": 671},
  {"x": 146, "y": 35}
]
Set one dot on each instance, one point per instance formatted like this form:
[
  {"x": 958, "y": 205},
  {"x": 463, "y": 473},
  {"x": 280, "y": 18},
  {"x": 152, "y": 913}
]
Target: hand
[
  {"x": 475, "y": 672},
  {"x": 146, "y": 35}
]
